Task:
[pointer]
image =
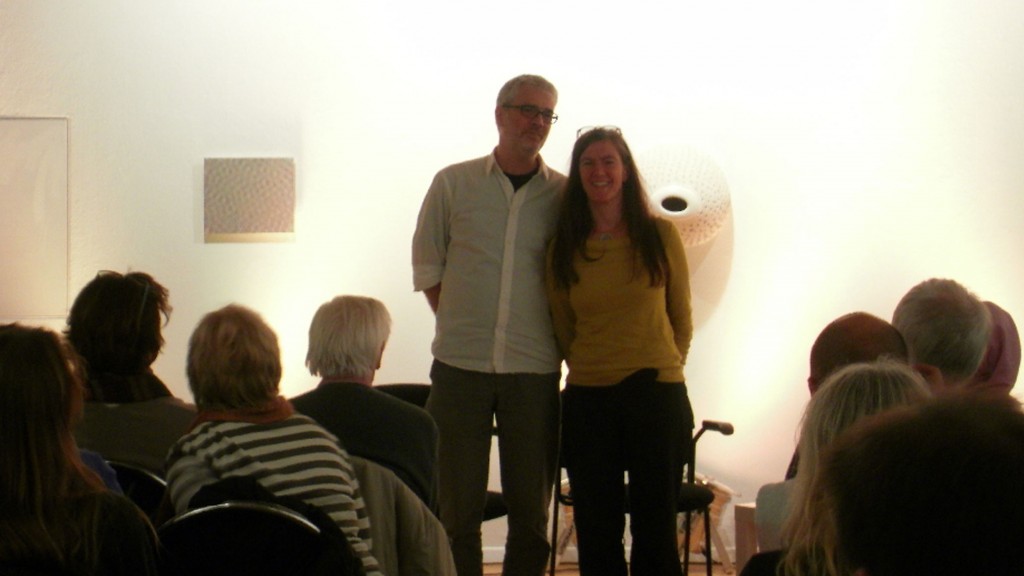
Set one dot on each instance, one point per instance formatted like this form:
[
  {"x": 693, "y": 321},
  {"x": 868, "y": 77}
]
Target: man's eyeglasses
[
  {"x": 586, "y": 129},
  {"x": 531, "y": 112}
]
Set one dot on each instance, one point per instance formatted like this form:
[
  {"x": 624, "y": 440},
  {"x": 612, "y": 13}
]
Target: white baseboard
[{"x": 495, "y": 555}]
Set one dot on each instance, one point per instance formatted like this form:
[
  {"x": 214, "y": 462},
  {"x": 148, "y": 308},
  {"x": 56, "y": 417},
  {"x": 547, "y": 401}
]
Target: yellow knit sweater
[{"x": 612, "y": 323}]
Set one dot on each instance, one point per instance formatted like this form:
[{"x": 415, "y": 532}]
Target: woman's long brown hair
[
  {"x": 575, "y": 222},
  {"x": 49, "y": 500}
]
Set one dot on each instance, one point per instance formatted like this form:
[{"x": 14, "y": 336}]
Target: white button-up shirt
[{"x": 485, "y": 244}]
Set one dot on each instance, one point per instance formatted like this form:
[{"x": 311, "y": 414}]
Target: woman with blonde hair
[
  {"x": 55, "y": 514},
  {"x": 845, "y": 397}
]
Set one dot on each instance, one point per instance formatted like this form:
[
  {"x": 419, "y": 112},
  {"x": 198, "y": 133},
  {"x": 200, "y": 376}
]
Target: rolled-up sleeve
[
  {"x": 430, "y": 242},
  {"x": 484, "y": 242}
]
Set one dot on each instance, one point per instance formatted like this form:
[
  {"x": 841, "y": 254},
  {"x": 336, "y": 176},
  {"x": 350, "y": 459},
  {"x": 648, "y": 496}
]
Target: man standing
[{"x": 478, "y": 255}]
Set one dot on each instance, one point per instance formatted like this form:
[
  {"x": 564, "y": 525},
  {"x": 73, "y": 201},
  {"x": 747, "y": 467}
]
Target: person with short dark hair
[
  {"x": 55, "y": 514},
  {"x": 246, "y": 429},
  {"x": 933, "y": 489},
  {"x": 130, "y": 414},
  {"x": 851, "y": 338}
]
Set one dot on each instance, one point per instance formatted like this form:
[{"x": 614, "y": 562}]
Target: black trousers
[{"x": 641, "y": 428}]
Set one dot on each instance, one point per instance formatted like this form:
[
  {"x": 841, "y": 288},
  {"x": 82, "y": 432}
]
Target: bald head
[{"x": 855, "y": 337}]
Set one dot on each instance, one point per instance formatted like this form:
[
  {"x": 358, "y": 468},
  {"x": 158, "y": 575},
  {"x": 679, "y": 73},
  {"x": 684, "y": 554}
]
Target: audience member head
[
  {"x": 933, "y": 489},
  {"x": 347, "y": 338},
  {"x": 852, "y": 338},
  {"x": 40, "y": 402},
  {"x": 847, "y": 396},
  {"x": 851, "y": 393},
  {"x": 40, "y": 469},
  {"x": 946, "y": 329},
  {"x": 233, "y": 360},
  {"x": 115, "y": 322},
  {"x": 1001, "y": 363}
]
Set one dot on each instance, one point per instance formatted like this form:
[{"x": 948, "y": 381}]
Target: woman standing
[
  {"x": 55, "y": 514},
  {"x": 620, "y": 298}
]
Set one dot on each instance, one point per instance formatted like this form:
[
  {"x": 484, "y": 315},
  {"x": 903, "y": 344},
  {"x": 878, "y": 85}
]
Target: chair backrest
[
  {"x": 417, "y": 394},
  {"x": 413, "y": 393},
  {"x": 693, "y": 496},
  {"x": 14, "y": 570},
  {"x": 143, "y": 487},
  {"x": 239, "y": 537}
]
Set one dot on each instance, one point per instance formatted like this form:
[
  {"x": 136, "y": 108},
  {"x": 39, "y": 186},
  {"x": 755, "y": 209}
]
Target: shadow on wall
[
  {"x": 710, "y": 266},
  {"x": 687, "y": 187}
]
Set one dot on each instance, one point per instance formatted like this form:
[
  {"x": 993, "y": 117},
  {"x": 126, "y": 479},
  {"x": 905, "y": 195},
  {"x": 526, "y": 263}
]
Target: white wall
[{"x": 867, "y": 146}]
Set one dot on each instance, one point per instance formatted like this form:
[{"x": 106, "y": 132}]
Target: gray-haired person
[{"x": 478, "y": 256}]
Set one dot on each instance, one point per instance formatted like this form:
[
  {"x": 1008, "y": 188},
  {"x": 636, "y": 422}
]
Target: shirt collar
[{"x": 492, "y": 165}]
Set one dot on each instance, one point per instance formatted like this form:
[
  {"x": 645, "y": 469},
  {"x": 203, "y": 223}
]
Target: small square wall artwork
[{"x": 249, "y": 199}]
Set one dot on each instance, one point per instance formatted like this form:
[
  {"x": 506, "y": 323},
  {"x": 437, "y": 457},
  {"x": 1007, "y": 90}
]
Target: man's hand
[{"x": 433, "y": 294}]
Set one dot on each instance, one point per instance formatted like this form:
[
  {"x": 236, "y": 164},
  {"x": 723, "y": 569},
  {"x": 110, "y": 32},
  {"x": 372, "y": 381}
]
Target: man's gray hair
[
  {"x": 945, "y": 326},
  {"x": 346, "y": 337},
  {"x": 510, "y": 90}
]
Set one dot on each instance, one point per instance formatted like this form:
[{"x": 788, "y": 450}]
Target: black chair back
[
  {"x": 143, "y": 487},
  {"x": 417, "y": 394},
  {"x": 239, "y": 537},
  {"x": 693, "y": 497},
  {"x": 15, "y": 570}
]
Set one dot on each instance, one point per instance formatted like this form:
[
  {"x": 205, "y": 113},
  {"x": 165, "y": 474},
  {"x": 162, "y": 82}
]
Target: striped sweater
[{"x": 292, "y": 457}]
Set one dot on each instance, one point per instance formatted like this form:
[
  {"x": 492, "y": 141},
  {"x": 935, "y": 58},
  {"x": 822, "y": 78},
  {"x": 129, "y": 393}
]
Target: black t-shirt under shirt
[{"x": 519, "y": 180}]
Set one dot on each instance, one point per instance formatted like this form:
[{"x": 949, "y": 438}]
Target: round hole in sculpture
[
  {"x": 674, "y": 204},
  {"x": 688, "y": 188}
]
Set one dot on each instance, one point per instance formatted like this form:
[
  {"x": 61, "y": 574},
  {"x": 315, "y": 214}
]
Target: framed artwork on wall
[
  {"x": 249, "y": 200},
  {"x": 34, "y": 204}
]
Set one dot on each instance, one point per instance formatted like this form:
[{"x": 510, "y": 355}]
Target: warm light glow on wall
[{"x": 867, "y": 146}]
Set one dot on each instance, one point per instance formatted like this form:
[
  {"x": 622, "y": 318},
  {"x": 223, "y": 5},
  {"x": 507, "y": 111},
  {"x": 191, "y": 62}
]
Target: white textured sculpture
[{"x": 687, "y": 187}]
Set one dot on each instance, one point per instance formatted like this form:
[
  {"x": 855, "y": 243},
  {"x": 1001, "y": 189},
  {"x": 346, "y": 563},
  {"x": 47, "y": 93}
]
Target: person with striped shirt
[{"x": 244, "y": 428}]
